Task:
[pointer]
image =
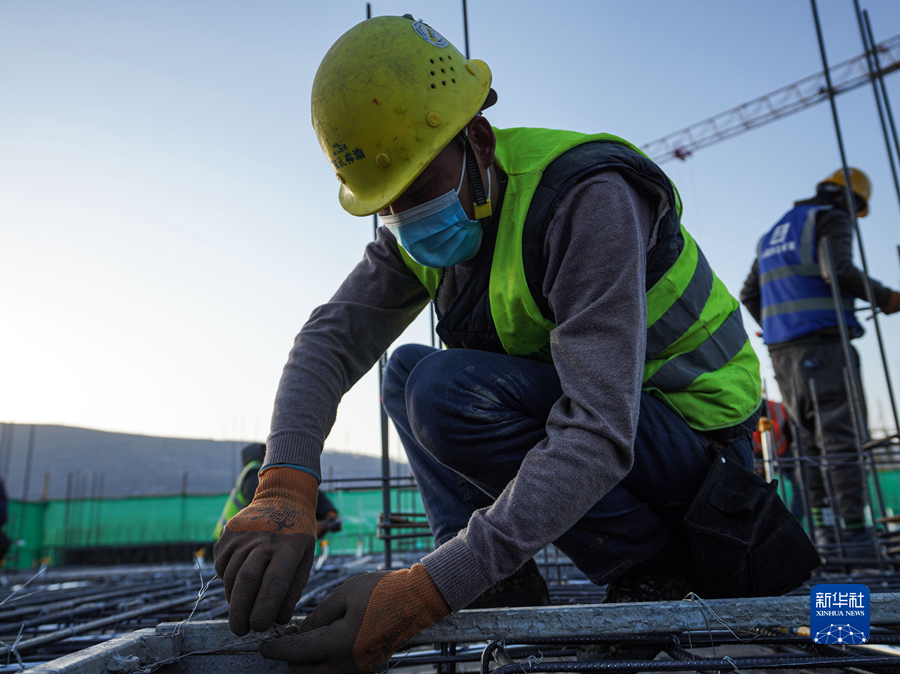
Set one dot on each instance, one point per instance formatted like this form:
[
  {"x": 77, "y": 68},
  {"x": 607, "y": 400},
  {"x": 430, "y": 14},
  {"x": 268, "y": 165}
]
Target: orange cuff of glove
[
  {"x": 402, "y": 604},
  {"x": 284, "y": 503}
]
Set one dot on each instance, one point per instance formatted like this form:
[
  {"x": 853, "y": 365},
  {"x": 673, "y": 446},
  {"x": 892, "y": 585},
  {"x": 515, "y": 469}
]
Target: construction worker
[
  {"x": 594, "y": 357},
  {"x": 788, "y": 293},
  {"x": 242, "y": 493}
]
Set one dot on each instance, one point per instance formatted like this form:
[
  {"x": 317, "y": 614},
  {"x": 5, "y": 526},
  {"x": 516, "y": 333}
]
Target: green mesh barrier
[
  {"x": 24, "y": 529},
  {"x": 888, "y": 481},
  {"x": 40, "y": 531}
]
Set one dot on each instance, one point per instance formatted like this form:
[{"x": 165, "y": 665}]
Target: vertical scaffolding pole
[
  {"x": 803, "y": 463},
  {"x": 884, "y": 92},
  {"x": 29, "y": 458},
  {"x": 11, "y": 427},
  {"x": 875, "y": 75},
  {"x": 466, "y": 27},
  {"x": 3, "y": 450},
  {"x": 385, "y": 455},
  {"x": 851, "y": 202},
  {"x": 852, "y": 383},
  {"x": 825, "y": 467}
]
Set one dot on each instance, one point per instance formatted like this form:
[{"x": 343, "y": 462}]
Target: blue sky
[{"x": 168, "y": 221}]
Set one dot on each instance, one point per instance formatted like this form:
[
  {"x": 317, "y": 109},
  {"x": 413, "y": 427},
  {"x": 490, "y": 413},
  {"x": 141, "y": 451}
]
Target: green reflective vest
[
  {"x": 236, "y": 501},
  {"x": 699, "y": 360}
]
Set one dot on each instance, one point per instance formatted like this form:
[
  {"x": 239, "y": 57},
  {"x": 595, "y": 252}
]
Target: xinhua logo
[{"x": 839, "y": 614}]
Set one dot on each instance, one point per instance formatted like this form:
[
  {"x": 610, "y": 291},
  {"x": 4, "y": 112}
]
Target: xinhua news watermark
[{"x": 839, "y": 614}]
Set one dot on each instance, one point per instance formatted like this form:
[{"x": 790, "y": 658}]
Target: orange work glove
[
  {"x": 893, "y": 304},
  {"x": 360, "y": 625},
  {"x": 267, "y": 549}
]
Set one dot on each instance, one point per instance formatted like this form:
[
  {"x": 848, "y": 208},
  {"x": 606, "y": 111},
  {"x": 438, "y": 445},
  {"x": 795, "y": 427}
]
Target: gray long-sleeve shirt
[
  {"x": 596, "y": 250},
  {"x": 836, "y": 227}
]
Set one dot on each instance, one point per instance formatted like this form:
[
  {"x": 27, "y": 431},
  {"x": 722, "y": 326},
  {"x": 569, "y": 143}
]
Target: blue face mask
[{"x": 438, "y": 233}]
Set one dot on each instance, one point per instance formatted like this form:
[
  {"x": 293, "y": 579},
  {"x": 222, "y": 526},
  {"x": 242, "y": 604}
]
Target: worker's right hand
[
  {"x": 893, "y": 304},
  {"x": 266, "y": 551}
]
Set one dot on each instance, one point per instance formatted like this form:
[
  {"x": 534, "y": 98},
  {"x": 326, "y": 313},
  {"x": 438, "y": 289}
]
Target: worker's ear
[{"x": 481, "y": 136}]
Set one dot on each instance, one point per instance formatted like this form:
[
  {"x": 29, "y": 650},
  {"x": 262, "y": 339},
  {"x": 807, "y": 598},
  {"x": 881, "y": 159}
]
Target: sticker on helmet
[{"x": 429, "y": 34}]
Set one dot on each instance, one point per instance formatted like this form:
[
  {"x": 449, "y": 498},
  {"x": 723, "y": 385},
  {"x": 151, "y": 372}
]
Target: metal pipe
[
  {"x": 853, "y": 394},
  {"x": 29, "y": 458},
  {"x": 396, "y": 478},
  {"x": 682, "y": 654},
  {"x": 800, "y": 456},
  {"x": 59, "y": 635},
  {"x": 851, "y": 202},
  {"x": 826, "y": 463},
  {"x": 385, "y": 464},
  {"x": 765, "y": 435},
  {"x": 523, "y": 624},
  {"x": 466, "y": 27},
  {"x": 869, "y": 49},
  {"x": 431, "y": 310},
  {"x": 865, "y": 467},
  {"x": 879, "y": 495},
  {"x": 58, "y": 617},
  {"x": 385, "y": 456},
  {"x": 97, "y": 527},
  {"x": 10, "y": 427},
  {"x": 66, "y": 520},
  {"x": 718, "y": 664},
  {"x": 884, "y": 91},
  {"x": 3, "y": 451},
  {"x": 64, "y": 599}
]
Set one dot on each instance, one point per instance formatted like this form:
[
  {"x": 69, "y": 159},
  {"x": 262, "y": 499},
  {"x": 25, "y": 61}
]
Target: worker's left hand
[
  {"x": 266, "y": 551},
  {"x": 360, "y": 625}
]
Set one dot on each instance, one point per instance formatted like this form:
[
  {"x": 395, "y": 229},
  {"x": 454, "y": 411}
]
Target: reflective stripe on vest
[
  {"x": 809, "y": 304},
  {"x": 236, "y": 501},
  {"x": 699, "y": 360},
  {"x": 795, "y": 299}
]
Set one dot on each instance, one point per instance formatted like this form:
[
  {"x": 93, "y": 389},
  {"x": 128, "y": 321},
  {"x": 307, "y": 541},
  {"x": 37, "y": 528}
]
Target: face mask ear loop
[
  {"x": 481, "y": 205},
  {"x": 462, "y": 175}
]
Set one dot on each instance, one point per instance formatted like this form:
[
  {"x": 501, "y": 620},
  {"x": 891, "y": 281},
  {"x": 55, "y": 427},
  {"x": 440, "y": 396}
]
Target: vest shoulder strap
[{"x": 563, "y": 173}]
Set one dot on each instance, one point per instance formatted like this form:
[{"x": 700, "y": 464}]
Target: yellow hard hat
[
  {"x": 389, "y": 95},
  {"x": 859, "y": 184}
]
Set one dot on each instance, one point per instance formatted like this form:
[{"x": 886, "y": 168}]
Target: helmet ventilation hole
[{"x": 433, "y": 86}]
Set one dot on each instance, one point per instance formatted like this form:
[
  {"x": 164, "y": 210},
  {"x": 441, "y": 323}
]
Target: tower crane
[{"x": 780, "y": 103}]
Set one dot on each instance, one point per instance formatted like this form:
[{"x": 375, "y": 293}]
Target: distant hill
[{"x": 138, "y": 465}]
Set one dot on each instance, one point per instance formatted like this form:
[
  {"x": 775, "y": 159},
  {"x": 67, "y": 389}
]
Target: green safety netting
[{"x": 41, "y": 531}]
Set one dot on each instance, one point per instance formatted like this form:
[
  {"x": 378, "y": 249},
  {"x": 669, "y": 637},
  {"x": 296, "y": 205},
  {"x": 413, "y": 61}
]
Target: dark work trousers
[
  {"x": 835, "y": 450},
  {"x": 468, "y": 418}
]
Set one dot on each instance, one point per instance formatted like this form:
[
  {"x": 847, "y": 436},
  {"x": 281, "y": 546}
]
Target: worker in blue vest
[{"x": 788, "y": 293}]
